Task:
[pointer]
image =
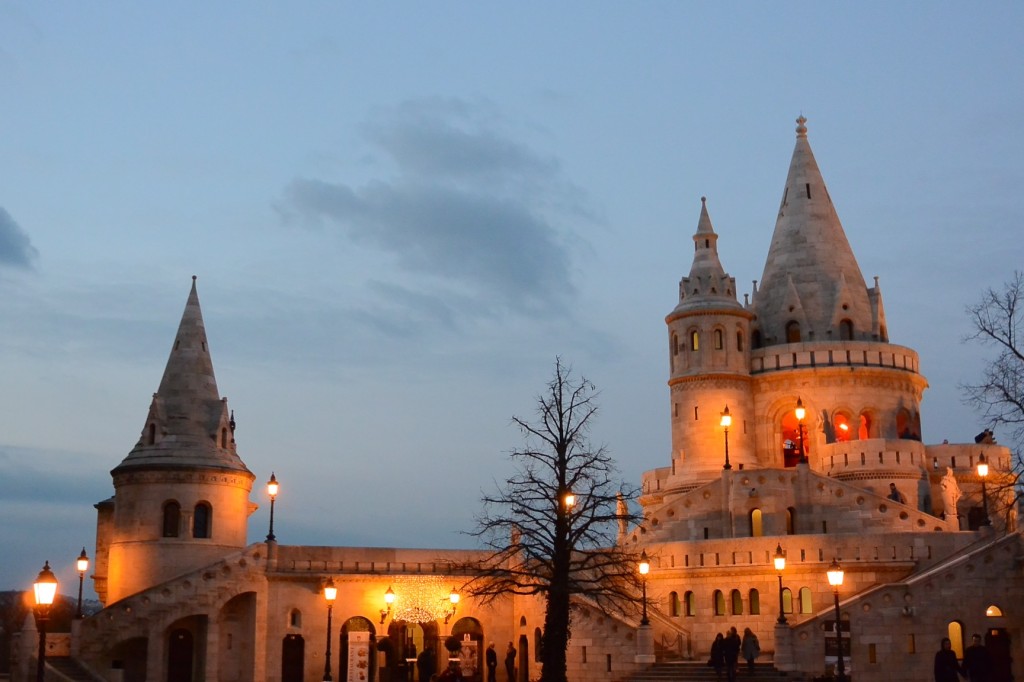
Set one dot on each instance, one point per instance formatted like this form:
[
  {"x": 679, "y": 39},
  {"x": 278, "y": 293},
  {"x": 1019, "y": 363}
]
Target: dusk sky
[{"x": 401, "y": 213}]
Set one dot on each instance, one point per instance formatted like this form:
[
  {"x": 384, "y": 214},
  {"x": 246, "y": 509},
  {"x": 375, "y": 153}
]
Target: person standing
[
  {"x": 717, "y": 659},
  {"x": 750, "y": 648},
  {"x": 977, "y": 661},
  {"x": 947, "y": 668},
  {"x": 731, "y": 650},
  {"x": 492, "y": 663},
  {"x": 510, "y": 662}
]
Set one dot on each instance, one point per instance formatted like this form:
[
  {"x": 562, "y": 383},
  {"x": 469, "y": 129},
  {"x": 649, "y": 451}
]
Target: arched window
[
  {"x": 719, "y": 602},
  {"x": 955, "y": 632},
  {"x": 790, "y": 520},
  {"x": 739, "y": 341},
  {"x": 737, "y": 603},
  {"x": 295, "y": 618},
  {"x": 538, "y": 642},
  {"x": 172, "y": 519},
  {"x": 846, "y": 330},
  {"x": 904, "y": 424},
  {"x": 694, "y": 340},
  {"x": 202, "y": 520},
  {"x": 842, "y": 426},
  {"x": 719, "y": 342},
  {"x": 755, "y": 338},
  {"x": 675, "y": 344},
  {"x": 151, "y": 437},
  {"x": 792, "y": 332},
  {"x": 673, "y": 604},
  {"x": 866, "y": 428},
  {"x": 756, "y": 528},
  {"x": 805, "y": 600},
  {"x": 754, "y": 599},
  {"x": 790, "y": 428},
  {"x": 690, "y": 603},
  {"x": 993, "y": 611},
  {"x": 787, "y": 600}
]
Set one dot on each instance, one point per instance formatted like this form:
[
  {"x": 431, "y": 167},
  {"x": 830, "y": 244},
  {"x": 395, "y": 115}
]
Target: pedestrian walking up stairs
[{"x": 698, "y": 671}]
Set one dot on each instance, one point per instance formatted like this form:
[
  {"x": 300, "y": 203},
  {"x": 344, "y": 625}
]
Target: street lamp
[
  {"x": 780, "y": 564},
  {"x": 726, "y": 423},
  {"x": 453, "y": 600},
  {"x": 569, "y": 500},
  {"x": 83, "y": 565},
  {"x": 330, "y": 594},
  {"x": 45, "y": 589},
  {"x": 272, "y": 488},
  {"x": 983, "y": 474},
  {"x": 389, "y": 599},
  {"x": 835, "y": 579},
  {"x": 800, "y": 413},
  {"x": 644, "y": 568}
]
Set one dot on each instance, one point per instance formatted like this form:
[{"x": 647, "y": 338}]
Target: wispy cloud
[
  {"x": 16, "y": 249},
  {"x": 479, "y": 215}
]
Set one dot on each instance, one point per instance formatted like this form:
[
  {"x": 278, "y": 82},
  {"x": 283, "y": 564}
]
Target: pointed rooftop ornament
[{"x": 707, "y": 285}]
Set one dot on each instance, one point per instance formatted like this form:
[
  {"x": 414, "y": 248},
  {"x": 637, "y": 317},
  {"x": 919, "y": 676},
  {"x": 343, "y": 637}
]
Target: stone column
[
  {"x": 784, "y": 648},
  {"x": 644, "y": 644}
]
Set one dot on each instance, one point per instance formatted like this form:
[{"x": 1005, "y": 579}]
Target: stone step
[
  {"x": 696, "y": 671},
  {"x": 68, "y": 669}
]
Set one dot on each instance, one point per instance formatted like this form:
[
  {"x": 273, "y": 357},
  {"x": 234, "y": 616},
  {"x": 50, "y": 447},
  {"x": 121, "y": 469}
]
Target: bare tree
[
  {"x": 998, "y": 319},
  {"x": 552, "y": 527}
]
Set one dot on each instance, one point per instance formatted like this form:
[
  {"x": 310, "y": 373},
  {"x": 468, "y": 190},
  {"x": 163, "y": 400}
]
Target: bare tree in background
[
  {"x": 552, "y": 527},
  {"x": 998, "y": 319}
]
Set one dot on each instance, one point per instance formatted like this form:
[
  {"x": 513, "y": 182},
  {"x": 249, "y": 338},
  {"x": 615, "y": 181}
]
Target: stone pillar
[
  {"x": 644, "y": 644},
  {"x": 156, "y": 655},
  {"x": 76, "y": 637},
  {"x": 211, "y": 666},
  {"x": 784, "y": 659}
]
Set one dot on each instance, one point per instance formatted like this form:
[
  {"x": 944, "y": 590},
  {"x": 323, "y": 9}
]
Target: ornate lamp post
[
  {"x": 389, "y": 599},
  {"x": 780, "y": 564},
  {"x": 330, "y": 594},
  {"x": 983, "y": 474},
  {"x": 835, "y": 579},
  {"x": 272, "y": 489},
  {"x": 82, "y": 564},
  {"x": 800, "y": 413},
  {"x": 45, "y": 589},
  {"x": 453, "y": 601},
  {"x": 644, "y": 567},
  {"x": 726, "y": 423}
]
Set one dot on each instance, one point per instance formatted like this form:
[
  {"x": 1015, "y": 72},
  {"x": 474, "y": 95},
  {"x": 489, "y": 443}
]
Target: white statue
[
  {"x": 622, "y": 511},
  {"x": 950, "y": 494}
]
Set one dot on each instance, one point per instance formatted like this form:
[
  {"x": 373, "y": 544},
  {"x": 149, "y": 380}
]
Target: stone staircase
[
  {"x": 67, "y": 669},
  {"x": 698, "y": 671}
]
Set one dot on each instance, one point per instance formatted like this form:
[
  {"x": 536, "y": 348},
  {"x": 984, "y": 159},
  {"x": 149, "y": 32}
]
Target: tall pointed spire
[
  {"x": 810, "y": 253},
  {"x": 707, "y": 285},
  {"x": 188, "y": 424}
]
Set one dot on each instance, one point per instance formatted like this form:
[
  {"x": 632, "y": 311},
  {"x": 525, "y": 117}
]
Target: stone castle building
[{"x": 188, "y": 597}]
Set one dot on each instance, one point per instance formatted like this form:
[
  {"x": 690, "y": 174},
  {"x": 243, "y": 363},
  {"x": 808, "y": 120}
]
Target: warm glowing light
[
  {"x": 835, "y": 574},
  {"x": 45, "y": 586},
  {"x": 993, "y": 611},
  {"x": 779, "y": 558},
  {"x": 272, "y": 486},
  {"x": 644, "y": 566},
  {"x": 453, "y": 597},
  {"x": 330, "y": 591},
  {"x": 982, "y": 465},
  {"x": 800, "y": 412},
  {"x": 844, "y": 426},
  {"x": 389, "y": 596},
  {"x": 726, "y": 418},
  {"x": 570, "y": 500},
  {"x": 83, "y": 562}
]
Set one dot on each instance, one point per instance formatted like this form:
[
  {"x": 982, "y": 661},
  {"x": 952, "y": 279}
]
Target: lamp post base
[{"x": 644, "y": 645}]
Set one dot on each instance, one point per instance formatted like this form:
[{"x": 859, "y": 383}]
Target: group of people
[
  {"x": 453, "y": 673},
  {"x": 976, "y": 666},
  {"x": 726, "y": 651}
]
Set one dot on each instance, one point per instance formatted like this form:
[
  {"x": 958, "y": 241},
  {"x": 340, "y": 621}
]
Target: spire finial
[
  {"x": 703, "y": 200},
  {"x": 801, "y": 129},
  {"x": 194, "y": 278}
]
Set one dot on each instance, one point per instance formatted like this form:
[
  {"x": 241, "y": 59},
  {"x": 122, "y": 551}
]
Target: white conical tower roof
[{"x": 707, "y": 286}]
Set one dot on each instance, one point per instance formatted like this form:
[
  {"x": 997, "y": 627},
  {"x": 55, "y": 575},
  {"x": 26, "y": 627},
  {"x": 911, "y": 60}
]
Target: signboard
[
  {"x": 468, "y": 656},
  {"x": 358, "y": 657}
]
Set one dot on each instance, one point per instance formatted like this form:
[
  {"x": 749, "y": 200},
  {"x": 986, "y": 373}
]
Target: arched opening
[
  {"x": 694, "y": 340},
  {"x": 172, "y": 519},
  {"x": 357, "y": 639},
  {"x": 842, "y": 427},
  {"x": 754, "y": 600},
  {"x": 690, "y": 603},
  {"x": 756, "y": 527},
  {"x": 787, "y": 600},
  {"x": 675, "y": 344},
  {"x": 293, "y": 654},
  {"x": 805, "y": 600},
  {"x": 737, "y": 603},
  {"x": 719, "y": 341},
  {"x": 719, "y": 603},
  {"x": 739, "y": 341},
  {"x": 792, "y": 332},
  {"x": 673, "y": 604},
  {"x": 903, "y": 423},
  {"x": 790, "y": 428},
  {"x": 180, "y": 655},
  {"x": 472, "y": 652},
  {"x": 523, "y": 673},
  {"x": 538, "y": 641},
  {"x": 295, "y": 619},
  {"x": 790, "y": 520},
  {"x": 993, "y": 611},
  {"x": 755, "y": 338},
  {"x": 846, "y": 330},
  {"x": 866, "y": 427},
  {"x": 955, "y": 632},
  {"x": 202, "y": 520}
]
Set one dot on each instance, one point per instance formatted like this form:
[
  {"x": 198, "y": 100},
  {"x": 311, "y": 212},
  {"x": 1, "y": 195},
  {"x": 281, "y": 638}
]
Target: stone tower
[
  {"x": 709, "y": 365},
  {"x": 181, "y": 496}
]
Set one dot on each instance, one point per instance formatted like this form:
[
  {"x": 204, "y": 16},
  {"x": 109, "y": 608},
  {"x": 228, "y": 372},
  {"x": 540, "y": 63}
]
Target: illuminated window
[
  {"x": 843, "y": 428},
  {"x": 993, "y": 611},
  {"x": 719, "y": 600},
  {"x": 805, "y": 600},
  {"x": 673, "y": 604},
  {"x": 690, "y": 604},
  {"x": 694, "y": 340},
  {"x": 754, "y": 599},
  {"x": 756, "y": 528},
  {"x": 955, "y": 631},
  {"x": 737, "y": 603}
]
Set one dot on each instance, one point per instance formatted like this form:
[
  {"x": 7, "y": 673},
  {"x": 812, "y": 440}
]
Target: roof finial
[
  {"x": 801, "y": 129},
  {"x": 703, "y": 200}
]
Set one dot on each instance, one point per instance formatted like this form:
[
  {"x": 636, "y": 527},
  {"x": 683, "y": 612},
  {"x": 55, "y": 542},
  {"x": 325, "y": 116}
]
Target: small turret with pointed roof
[
  {"x": 812, "y": 288},
  {"x": 707, "y": 285},
  {"x": 189, "y": 424}
]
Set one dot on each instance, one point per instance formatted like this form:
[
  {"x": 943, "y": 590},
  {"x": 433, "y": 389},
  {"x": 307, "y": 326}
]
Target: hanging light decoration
[{"x": 421, "y": 599}]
